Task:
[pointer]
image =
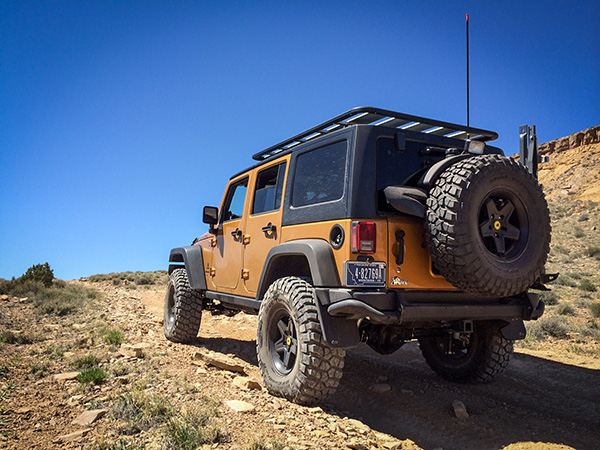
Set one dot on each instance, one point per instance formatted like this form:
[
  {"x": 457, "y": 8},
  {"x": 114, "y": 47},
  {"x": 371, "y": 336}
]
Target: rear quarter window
[{"x": 320, "y": 175}]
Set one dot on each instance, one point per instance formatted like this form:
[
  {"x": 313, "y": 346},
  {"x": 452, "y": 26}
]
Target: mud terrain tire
[
  {"x": 488, "y": 226},
  {"x": 183, "y": 309},
  {"x": 294, "y": 361},
  {"x": 482, "y": 359}
]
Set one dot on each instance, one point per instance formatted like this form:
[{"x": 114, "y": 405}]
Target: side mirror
[{"x": 210, "y": 215}]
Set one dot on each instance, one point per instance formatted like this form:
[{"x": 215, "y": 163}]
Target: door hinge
[
  {"x": 246, "y": 239},
  {"x": 245, "y": 274},
  {"x": 213, "y": 242},
  {"x": 213, "y": 271}
]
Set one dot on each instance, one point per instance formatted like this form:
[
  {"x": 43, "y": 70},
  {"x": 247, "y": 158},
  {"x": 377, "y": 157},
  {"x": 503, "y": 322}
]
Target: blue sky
[{"x": 120, "y": 120}]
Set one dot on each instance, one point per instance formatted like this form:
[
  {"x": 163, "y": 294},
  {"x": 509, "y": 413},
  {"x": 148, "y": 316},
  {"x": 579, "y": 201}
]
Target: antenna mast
[{"x": 468, "y": 118}]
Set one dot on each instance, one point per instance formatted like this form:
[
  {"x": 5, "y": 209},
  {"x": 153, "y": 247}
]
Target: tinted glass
[
  {"x": 320, "y": 175},
  {"x": 269, "y": 186},
  {"x": 234, "y": 206}
]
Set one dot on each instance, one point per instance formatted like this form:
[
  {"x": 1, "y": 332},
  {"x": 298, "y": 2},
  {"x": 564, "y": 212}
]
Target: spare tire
[{"x": 488, "y": 226}]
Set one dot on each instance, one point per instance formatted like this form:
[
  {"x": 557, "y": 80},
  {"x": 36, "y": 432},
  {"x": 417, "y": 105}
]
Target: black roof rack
[{"x": 366, "y": 115}]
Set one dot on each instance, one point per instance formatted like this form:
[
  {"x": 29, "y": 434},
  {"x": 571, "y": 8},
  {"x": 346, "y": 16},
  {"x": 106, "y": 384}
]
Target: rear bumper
[{"x": 405, "y": 308}]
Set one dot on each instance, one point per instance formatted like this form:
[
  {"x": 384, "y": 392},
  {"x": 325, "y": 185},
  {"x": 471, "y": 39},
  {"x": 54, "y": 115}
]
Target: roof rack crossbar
[{"x": 379, "y": 117}]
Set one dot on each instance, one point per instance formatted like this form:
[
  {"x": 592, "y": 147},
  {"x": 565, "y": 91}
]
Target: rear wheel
[
  {"x": 488, "y": 226},
  {"x": 183, "y": 308},
  {"x": 478, "y": 357},
  {"x": 295, "y": 363}
]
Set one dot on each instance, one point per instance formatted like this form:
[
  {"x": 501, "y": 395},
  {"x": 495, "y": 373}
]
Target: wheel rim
[
  {"x": 454, "y": 353},
  {"x": 283, "y": 341},
  {"x": 503, "y": 225},
  {"x": 170, "y": 305}
]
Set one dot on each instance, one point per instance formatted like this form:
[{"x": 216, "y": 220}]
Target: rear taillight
[{"x": 364, "y": 237}]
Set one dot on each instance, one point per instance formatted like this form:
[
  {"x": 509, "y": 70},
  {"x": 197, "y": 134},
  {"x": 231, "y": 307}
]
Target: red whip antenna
[{"x": 468, "y": 118}]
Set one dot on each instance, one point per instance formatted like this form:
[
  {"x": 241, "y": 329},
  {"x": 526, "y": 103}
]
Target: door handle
[
  {"x": 237, "y": 234},
  {"x": 269, "y": 229}
]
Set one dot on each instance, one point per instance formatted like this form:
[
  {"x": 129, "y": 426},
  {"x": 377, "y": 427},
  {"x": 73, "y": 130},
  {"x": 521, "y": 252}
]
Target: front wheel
[
  {"x": 478, "y": 357},
  {"x": 183, "y": 308},
  {"x": 294, "y": 361}
]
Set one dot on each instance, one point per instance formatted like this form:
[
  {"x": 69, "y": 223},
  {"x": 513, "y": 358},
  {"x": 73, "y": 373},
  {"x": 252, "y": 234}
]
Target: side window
[
  {"x": 234, "y": 203},
  {"x": 320, "y": 175},
  {"x": 269, "y": 187}
]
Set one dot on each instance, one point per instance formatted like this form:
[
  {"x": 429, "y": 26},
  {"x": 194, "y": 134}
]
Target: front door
[
  {"x": 229, "y": 239},
  {"x": 263, "y": 225}
]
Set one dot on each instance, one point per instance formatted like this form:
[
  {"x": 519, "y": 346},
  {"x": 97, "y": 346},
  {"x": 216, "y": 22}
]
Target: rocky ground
[{"x": 383, "y": 402}]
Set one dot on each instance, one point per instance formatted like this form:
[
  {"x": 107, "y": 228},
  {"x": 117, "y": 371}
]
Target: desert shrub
[
  {"x": 92, "y": 375},
  {"x": 62, "y": 302},
  {"x": 112, "y": 336},
  {"x": 41, "y": 369},
  {"x": 561, "y": 249},
  {"x": 593, "y": 251},
  {"x": 564, "y": 280},
  {"x": 39, "y": 272},
  {"x": 554, "y": 326},
  {"x": 145, "y": 280},
  {"x": 564, "y": 309},
  {"x": 28, "y": 288},
  {"x": 119, "y": 369},
  {"x": 590, "y": 330},
  {"x": 549, "y": 298},
  {"x": 574, "y": 275},
  {"x": 142, "y": 410},
  {"x": 8, "y": 337},
  {"x": 260, "y": 443},
  {"x": 190, "y": 428},
  {"x": 59, "y": 284},
  {"x": 588, "y": 286},
  {"x": 7, "y": 286},
  {"x": 578, "y": 233},
  {"x": 85, "y": 362},
  {"x": 98, "y": 278},
  {"x": 595, "y": 308}
]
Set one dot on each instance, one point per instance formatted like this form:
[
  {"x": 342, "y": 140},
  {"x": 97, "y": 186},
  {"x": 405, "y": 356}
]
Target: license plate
[{"x": 358, "y": 273}]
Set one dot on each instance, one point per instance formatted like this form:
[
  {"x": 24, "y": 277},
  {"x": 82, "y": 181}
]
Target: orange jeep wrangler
[{"x": 375, "y": 227}]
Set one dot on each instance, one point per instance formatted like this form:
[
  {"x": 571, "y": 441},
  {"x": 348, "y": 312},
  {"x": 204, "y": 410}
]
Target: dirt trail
[{"x": 537, "y": 400}]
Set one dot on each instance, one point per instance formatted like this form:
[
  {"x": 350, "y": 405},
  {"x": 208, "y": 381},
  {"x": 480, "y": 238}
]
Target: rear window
[{"x": 320, "y": 175}]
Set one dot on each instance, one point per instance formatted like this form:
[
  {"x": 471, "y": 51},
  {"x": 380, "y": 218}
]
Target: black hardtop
[{"x": 435, "y": 132}]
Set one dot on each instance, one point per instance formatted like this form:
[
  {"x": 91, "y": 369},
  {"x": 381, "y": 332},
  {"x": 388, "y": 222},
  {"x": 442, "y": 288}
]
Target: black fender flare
[
  {"x": 318, "y": 254},
  {"x": 429, "y": 178},
  {"x": 193, "y": 261}
]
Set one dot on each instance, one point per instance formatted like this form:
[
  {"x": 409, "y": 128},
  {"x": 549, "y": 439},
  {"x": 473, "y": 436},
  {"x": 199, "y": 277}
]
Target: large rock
[
  {"x": 134, "y": 351},
  {"x": 247, "y": 383},
  {"x": 74, "y": 436},
  {"x": 460, "y": 409},
  {"x": 65, "y": 376},
  {"x": 240, "y": 406},
  {"x": 219, "y": 360},
  {"x": 380, "y": 388},
  {"x": 87, "y": 418}
]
